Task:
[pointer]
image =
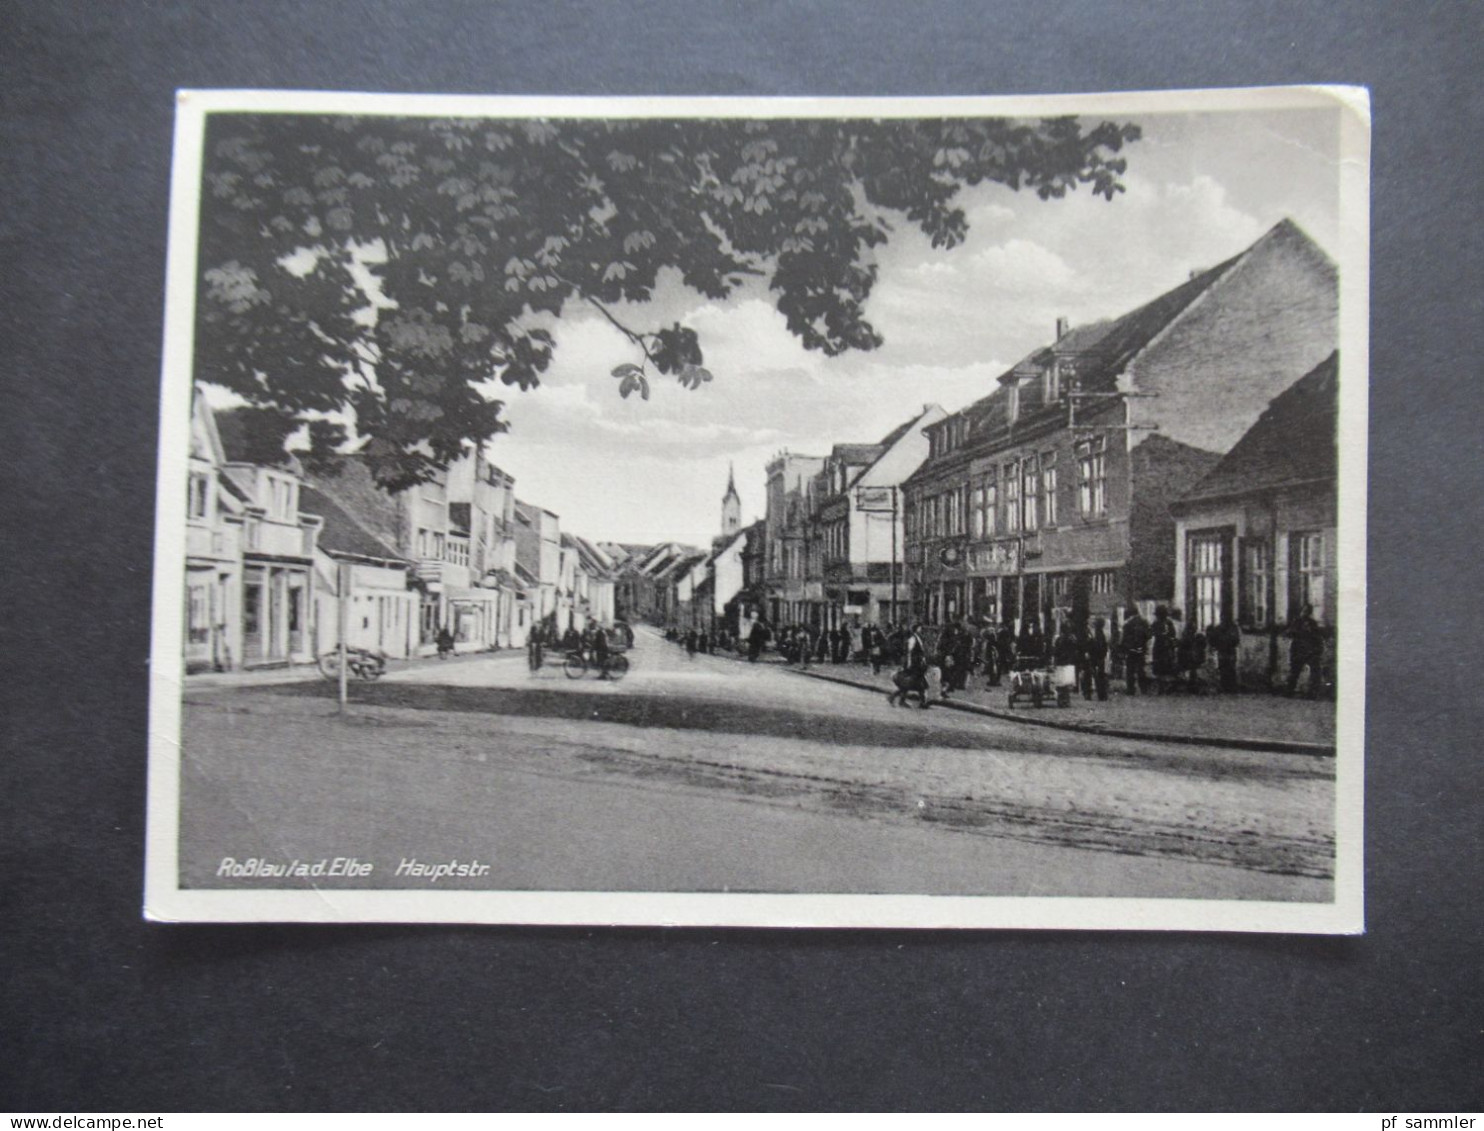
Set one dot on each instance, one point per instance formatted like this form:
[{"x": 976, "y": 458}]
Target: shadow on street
[{"x": 688, "y": 713}]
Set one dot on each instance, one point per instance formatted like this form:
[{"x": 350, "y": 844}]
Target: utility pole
[
  {"x": 893, "y": 553},
  {"x": 342, "y": 583}
]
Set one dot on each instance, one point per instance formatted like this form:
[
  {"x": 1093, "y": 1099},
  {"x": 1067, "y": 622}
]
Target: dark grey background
[{"x": 99, "y": 1011}]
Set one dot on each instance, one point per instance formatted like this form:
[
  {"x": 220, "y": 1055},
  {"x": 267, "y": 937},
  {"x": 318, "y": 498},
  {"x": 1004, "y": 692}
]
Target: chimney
[
  {"x": 1194, "y": 271},
  {"x": 1062, "y": 326}
]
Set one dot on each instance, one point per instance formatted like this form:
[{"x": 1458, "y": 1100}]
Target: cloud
[{"x": 952, "y": 322}]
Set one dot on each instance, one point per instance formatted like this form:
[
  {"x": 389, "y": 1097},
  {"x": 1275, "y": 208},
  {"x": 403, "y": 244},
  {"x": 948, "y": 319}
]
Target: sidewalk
[
  {"x": 1251, "y": 721},
  {"x": 308, "y": 673}
]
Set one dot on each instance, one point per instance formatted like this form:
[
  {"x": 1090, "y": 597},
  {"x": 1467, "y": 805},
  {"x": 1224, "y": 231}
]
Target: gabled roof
[
  {"x": 857, "y": 454},
  {"x": 593, "y": 561},
  {"x": 1102, "y": 350},
  {"x": 900, "y": 430},
  {"x": 1292, "y": 442},
  {"x": 341, "y": 533}
]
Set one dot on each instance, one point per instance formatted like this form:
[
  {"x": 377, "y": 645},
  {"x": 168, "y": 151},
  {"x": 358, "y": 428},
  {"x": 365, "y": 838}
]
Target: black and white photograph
[{"x": 764, "y": 512}]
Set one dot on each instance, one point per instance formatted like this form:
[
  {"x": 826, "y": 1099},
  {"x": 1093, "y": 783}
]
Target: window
[
  {"x": 1012, "y": 402},
  {"x": 991, "y": 516},
  {"x": 1051, "y": 382},
  {"x": 1048, "y": 487},
  {"x": 976, "y": 512},
  {"x": 1102, "y": 581},
  {"x": 198, "y": 617},
  {"x": 1012, "y": 497},
  {"x": 196, "y": 500},
  {"x": 1257, "y": 579},
  {"x": 1030, "y": 482},
  {"x": 1207, "y": 557},
  {"x": 1307, "y": 586},
  {"x": 1092, "y": 482}
]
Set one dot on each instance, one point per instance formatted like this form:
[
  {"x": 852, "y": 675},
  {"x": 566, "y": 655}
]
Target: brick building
[
  {"x": 1255, "y": 538},
  {"x": 1051, "y": 496}
]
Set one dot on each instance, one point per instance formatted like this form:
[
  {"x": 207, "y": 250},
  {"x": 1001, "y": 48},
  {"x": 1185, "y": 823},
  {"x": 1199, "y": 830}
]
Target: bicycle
[
  {"x": 359, "y": 662},
  {"x": 576, "y": 665}
]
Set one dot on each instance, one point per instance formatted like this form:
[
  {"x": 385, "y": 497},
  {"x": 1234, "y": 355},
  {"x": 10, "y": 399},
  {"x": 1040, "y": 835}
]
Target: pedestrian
[
  {"x": 989, "y": 643},
  {"x": 445, "y": 643},
  {"x": 1030, "y": 649},
  {"x": 912, "y": 677},
  {"x": 1004, "y": 641},
  {"x": 1305, "y": 651},
  {"x": 1192, "y": 656},
  {"x": 1225, "y": 639},
  {"x": 600, "y": 651},
  {"x": 1135, "y": 640},
  {"x": 945, "y": 658},
  {"x": 1066, "y": 650},
  {"x": 756, "y": 638},
  {"x": 690, "y": 643},
  {"x": 1095, "y": 663},
  {"x": 534, "y": 642},
  {"x": 1165, "y": 657},
  {"x": 963, "y": 658}
]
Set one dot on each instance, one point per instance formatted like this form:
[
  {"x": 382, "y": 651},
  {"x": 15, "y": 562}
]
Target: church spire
[{"x": 731, "y": 505}]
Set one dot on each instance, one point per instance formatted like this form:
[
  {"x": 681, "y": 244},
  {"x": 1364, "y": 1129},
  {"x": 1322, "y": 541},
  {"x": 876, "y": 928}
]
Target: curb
[{"x": 1264, "y": 745}]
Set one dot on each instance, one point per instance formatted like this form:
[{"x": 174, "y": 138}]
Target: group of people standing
[
  {"x": 961, "y": 650},
  {"x": 695, "y": 640}
]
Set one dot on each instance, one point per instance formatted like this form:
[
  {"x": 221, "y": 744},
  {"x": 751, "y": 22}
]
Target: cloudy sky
[{"x": 1201, "y": 187}]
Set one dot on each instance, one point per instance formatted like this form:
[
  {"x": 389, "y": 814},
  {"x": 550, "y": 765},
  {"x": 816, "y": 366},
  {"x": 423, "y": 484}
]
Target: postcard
[{"x": 912, "y": 512}]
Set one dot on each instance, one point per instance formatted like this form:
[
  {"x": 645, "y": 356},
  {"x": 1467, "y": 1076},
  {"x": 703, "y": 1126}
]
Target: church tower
[{"x": 731, "y": 506}]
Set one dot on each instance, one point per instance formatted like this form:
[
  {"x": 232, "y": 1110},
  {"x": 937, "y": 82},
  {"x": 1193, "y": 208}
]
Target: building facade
[
  {"x": 1051, "y": 496},
  {"x": 858, "y": 526},
  {"x": 214, "y": 518},
  {"x": 1255, "y": 539},
  {"x": 380, "y": 610},
  {"x": 788, "y": 528}
]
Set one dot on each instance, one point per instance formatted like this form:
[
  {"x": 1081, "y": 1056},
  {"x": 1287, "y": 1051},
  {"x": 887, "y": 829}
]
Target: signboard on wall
[
  {"x": 997, "y": 558},
  {"x": 875, "y": 498}
]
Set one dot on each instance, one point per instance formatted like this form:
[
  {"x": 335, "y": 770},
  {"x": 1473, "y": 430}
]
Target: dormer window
[
  {"x": 1051, "y": 382},
  {"x": 1012, "y": 403}
]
